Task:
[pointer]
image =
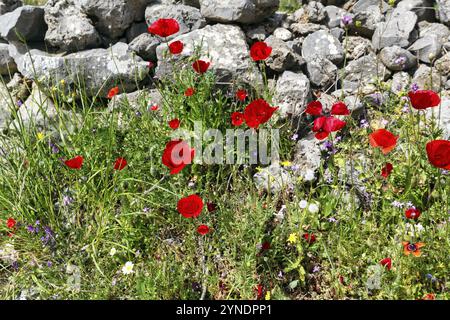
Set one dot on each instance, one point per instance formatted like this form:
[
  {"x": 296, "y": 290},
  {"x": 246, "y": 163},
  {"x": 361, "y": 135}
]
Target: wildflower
[
  {"x": 400, "y": 61},
  {"x": 387, "y": 169},
  {"x": 260, "y": 51},
  {"x": 128, "y": 268},
  {"x": 67, "y": 200},
  {"x": 177, "y": 155},
  {"x": 316, "y": 269},
  {"x": 112, "y": 252},
  {"x": 347, "y": 20},
  {"x": 286, "y": 163},
  {"x": 113, "y": 92},
  {"x": 358, "y": 23},
  {"x": 11, "y": 223},
  {"x": 120, "y": 164},
  {"x": 397, "y": 204},
  {"x": 63, "y": 82},
  {"x": 323, "y": 126},
  {"x": 154, "y": 108},
  {"x": 438, "y": 152},
  {"x": 265, "y": 246},
  {"x": 412, "y": 214},
  {"x": 150, "y": 64},
  {"x": 412, "y": 248},
  {"x": 314, "y": 108},
  {"x": 203, "y": 229},
  {"x": 164, "y": 27},
  {"x": 309, "y": 175},
  {"x": 176, "y": 47},
  {"x": 294, "y": 137},
  {"x": 40, "y": 136},
  {"x": 211, "y": 207},
  {"x": 309, "y": 237},
  {"x": 414, "y": 87},
  {"x": 19, "y": 103},
  {"x": 49, "y": 264},
  {"x": 387, "y": 263},
  {"x": 146, "y": 210},
  {"x": 292, "y": 238},
  {"x": 241, "y": 95},
  {"x": 423, "y": 99},
  {"x": 429, "y": 296},
  {"x": 200, "y": 66},
  {"x": 259, "y": 290},
  {"x": 383, "y": 139},
  {"x": 313, "y": 208},
  {"x": 340, "y": 109},
  {"x": 174, "y": 123},
  {"x": 303, "y": 204},
  {"x": 267, "y": 297},
  {"x": 54, "y": 147},
  {"x": 364, "y": 123},
  {"x": 332, "y": 220},
  {"x": 190, "y": 206},
  {"x": 237, "y": 118},
  {"x": 75, "y": 163},
  {"x": 189, "y": 92},
  {"x": 258, "y": 112}
]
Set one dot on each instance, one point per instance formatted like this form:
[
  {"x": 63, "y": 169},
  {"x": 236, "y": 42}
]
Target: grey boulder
[
  {"x": 443, "y": 11},
  {"x": 321, "y": 72},
  {"x": 292, "y": 93},
  {"x": 145, "y": 46},
  {"x": 99, "y": 69},
  {"x": 427, "y": 49},
  {"x": 240, "y": 11},
  {"x": 397, "y": 59},
  {"x": 23, "y": 24},
  {"x": 282, "y": 56},
  {"x": 397, "y": 30},
  {"x": 321, "y": 44},
  {"x": 69, "y": 29},
  {"x": 428, "y": 78},
  {"x": 9, "y": 5},
  {"x": 7, "y": 64}
]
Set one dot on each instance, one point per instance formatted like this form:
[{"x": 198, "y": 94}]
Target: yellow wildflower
[
  {"x": 267, "y": 297},
  {"x": 286, "y": 163},
  {"x": 40, "y": 136},
  {"x": 292, "y": 238},
  {"x": 358, "y": 23}
]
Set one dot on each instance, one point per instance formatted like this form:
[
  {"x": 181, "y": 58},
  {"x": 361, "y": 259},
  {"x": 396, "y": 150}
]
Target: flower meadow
[{"x": 109, "y": 205}]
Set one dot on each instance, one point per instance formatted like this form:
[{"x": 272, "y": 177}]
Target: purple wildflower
[
  {"x": 67, "y": 201},
  {"x": 347, "y": 20},
  {"x": 397, "y": 204},
  {"x": 49, "y": 264},
  {"x": 400, "y": 61},
  {"x": 19, "y": 103},
  {"x": 316, "y": 269},
  {"x": 364, "y": 123},
  {"x": 294, "y": 137},
  {"x": 15, "y": 265},
  {"x": 414, "y": 87}
]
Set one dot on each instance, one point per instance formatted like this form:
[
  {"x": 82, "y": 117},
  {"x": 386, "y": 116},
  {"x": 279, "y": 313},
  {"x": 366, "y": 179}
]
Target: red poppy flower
[
  {"x": 412, "y": 248},
  {"x": 113, "y": 92},
  {"x": 383, "y": 139},
  {"x": 154, "y": 108},
  {"x": 120, "y": 164},
  {"x": 164, "y": 27},
  {"x": 429, "y": 296},
  {"x": 438, "y": 152},
  {"x": 237, "y": 118},
  {"x": 11, "y": 223},
  {"x": 412, "y": 213},
  {"x": 75, "y": 163},
  {"x": 314, "y": 108},
  {"x": 260, "y": 51},
  {"x": 177, "y": 155},
  {"x": 259, "y": 291},
  {"x": 387, "y": 263},
  {"x": 387, "y": 169},
  {"x": 211, "y": 206},
  {"x": 241, "y": 95},
  {"x": 340, "y": 109},
  {"x": 423, "y": 99},
  {"x": 190, "y": 206},
  {"x": 323, "y": 126},
  {"x": 258, "y": 112},
  {"x": 265, "y": 246},
  {"x": 176, "y": 47},
  {"x": 189, "y": 92},
  {"x": 309, "y": 237},
  {"x": 200, "y": 66},
  {"x": 203, "y": 229},
  {"x": 174, "y": 124}
]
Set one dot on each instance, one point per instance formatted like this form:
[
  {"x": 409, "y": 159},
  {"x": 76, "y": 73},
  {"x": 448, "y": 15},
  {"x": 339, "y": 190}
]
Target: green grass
[
  {"x": 95, "y": 209},
  {"x": 290, "y": 5},
  {"x": 35, "y": 2}
]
